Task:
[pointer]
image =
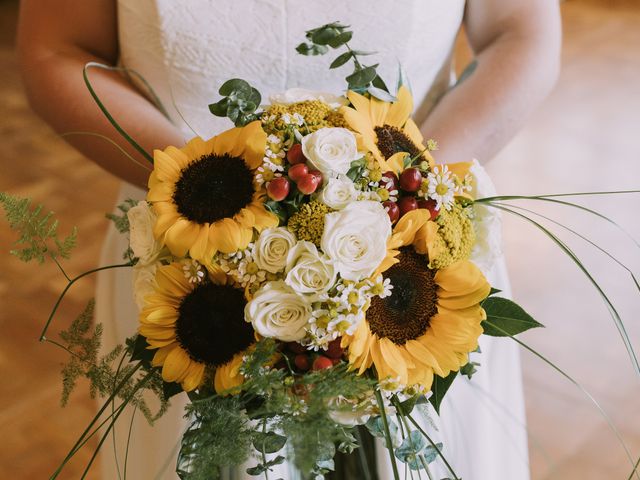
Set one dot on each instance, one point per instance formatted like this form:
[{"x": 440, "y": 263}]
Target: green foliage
[
  {"x": 282, "y": 407},
  {"x": 121, "y": 222},
  {"x": 364, "y": 78},
  {"x": 38, "y": 231},
  {"x": 410, "y": 449},
  {"x": 219, "y": 435},
  {"x": 240, "y": 102},
  {"x": 83, "y": 342},
  {"x": 439, "y": 389},
  {"x": 506, "y": 318}
]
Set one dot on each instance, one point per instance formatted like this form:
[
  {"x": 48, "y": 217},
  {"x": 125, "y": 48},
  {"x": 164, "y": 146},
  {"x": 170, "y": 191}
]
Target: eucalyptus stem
[
  {"x": 403, "y": 418},
  {"x": 354, "y": 56},
  {"x": 426, "y": 435},
  {"x": 262, "y": 452},
  {"x": 387, "y": 434},
  {"x": 66, "y": 289}
]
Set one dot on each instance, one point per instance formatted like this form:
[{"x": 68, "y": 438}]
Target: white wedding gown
[{"x": 186, "y": 50}]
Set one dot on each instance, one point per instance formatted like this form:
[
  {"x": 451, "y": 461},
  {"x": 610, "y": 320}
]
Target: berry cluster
[
  {"x": 306, "y": 180},
  {"x": 408, "y": 184}
]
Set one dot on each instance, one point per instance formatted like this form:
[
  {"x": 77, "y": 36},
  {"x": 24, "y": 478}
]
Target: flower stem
[{"x": 387, "y": 435}]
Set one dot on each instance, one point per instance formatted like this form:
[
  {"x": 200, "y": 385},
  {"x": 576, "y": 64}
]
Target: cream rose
[
  {"x": 272, "y": 247},
  {"x": 355, "y": 238},
  {"x": 338, "y": 192},
  {"x": 308, "y": 271},
  {"x": 294, "y": 95},
  {"x": 144, "y": 282},
  {"x": 330, "y": 150},
  {"x": 276, "y": 311},
  {"x": 141, "y": 239}
]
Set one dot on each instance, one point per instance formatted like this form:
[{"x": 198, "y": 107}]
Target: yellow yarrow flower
[
  {"x": 454, "y": 239},
  {"x": 308, "y": 222}
]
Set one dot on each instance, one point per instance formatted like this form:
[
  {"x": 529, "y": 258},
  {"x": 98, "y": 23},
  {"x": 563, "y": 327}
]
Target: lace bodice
[{"x": 187, "y": 49}]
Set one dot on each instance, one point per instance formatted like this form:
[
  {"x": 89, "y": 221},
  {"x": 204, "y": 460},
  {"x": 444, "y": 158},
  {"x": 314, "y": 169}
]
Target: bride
[{"x": 186, "y": 50}]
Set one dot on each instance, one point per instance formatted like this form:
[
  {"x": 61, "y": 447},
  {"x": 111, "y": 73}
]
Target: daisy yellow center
[
  {"x": 406, "y": 313},
  {"x": 392, "y": 140},
  {"x": 211, "y": 326},
  {"x": 212, "y": 188},
  {"x": 442, "y": 189}
]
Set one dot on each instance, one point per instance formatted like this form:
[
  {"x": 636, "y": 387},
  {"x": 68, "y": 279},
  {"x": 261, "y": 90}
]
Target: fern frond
[{"x": 38, "y": 231}]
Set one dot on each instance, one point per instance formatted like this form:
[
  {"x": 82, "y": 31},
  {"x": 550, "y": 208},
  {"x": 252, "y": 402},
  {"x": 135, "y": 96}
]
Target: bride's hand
[
  {"x": 517, "y": 46},
  {"x": 56, "y": 38}
]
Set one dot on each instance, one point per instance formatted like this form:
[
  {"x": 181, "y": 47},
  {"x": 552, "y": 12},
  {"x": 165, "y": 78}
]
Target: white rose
[
  {"x": 141, "y": 238},
  {"x": 272, "y": 247},
  {"x": 349, "y": 412},
  {"x": 144, "y": 282},
  {"x": 331, "y": 150},
  {"x": 276, "y": 311},
  {"x": 294, "y": 95},
  {"x": 338, "y": 192},
  {"x": 308, "y": 271},
  {"x": 355, "y": 238}
]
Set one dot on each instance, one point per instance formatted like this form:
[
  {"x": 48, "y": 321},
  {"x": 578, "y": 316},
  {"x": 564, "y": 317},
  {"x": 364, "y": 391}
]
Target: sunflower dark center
[
  {"x": 392, "y": 140},
  {"x": 212, "y": 188},
  {"x": 405, "y": 315},
  {"x": 211, "y": 326}
]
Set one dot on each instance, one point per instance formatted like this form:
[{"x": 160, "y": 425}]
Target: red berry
[
  {"x": 334, "y": 349},
  {"x": 295, "y": 155},
  {"x": 296, "y": 172},
  {"x": 295, "y": 347},
  {"x": 278, "y": 188},
  {"x": 302, "y": 362},
  {"x": 407, "y": 204},
  {"x": 308, "y": 184},
  {"x": 392, "y": 210},
  {"x": 430, "y": 205},
  {"x": 318, "y": 174},
  {"x": 389, "y": 181},
  {"x": 410, "y": 180},
  {"x": 322, "y": 363}
]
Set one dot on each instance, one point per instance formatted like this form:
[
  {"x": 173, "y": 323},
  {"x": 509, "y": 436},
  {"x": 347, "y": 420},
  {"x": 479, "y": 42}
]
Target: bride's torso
[{"x": 187, "y": 49}]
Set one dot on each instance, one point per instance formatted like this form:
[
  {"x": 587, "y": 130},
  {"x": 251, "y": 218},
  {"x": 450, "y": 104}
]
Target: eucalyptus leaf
[
  {"x": 362, "y": 77},
  {"x": 411, "y": 447},
  {"x": 381, "y": 94},
  {"x": 234, "y": 85},
  {"x": 268, "y": 442},
  {"x": 378, "y": 82},
  {"x": 341, "y": 60},
  {"x": 506, "y": 318},
  {"x": 307, "y": 49},
  {"x": 324, "y": 35},
  {"x": 439, "y": 389},
  {"x": 219, "y": 109},
  {"x": 430, "y": 453},
  {"x": 340, "y": 39},
  {"x": 376, "y": 428}
]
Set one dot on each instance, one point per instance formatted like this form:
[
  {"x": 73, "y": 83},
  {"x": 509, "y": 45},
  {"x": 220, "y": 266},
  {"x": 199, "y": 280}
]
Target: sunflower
[
  {"x": 432, "y": 319},
  {"x": 196, "y": 327},
  {"x": 385, "y": 128},
  {"x": 204, "y": 193}
]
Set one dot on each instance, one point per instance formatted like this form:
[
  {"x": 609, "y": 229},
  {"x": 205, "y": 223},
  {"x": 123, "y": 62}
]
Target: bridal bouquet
[{"x": 299, "y": 276}]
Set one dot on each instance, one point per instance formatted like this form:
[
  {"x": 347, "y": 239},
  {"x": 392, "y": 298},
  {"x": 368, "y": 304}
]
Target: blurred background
[{"x": 585, "y": 137}]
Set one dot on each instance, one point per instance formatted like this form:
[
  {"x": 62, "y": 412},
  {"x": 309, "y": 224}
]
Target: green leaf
[
  {"x": 324, "y": 35},
  {"x": 219, "y": 109},
  {"x": 277, "y": 209},
  {"x": 171, "y": 389},
  {"x": 506, "y": 318},
  {"x": 341, "y": 60},
  {"x": 467, "y": 72},
  {"x": 139, "y": 350},
  {"x": 439, "y": 389},
  {"x": 380, "y": 94},
  {"x": 268, "y": 442},
  {"x": 309, "y": 49},
  {"x": 410, "y": 449},
  {"x": 362, "y": 77},
  {"x": 340, "y": 40},
  {"x": 430, "y": 453},
  {"x": 235, "y": 85},
  {"x": 379, "y": 83},
  {"x": 408, "y": 405},
  {"x": 493, "y": 291}
]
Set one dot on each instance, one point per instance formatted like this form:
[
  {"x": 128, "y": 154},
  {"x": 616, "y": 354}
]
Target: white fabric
[{"x": 186, "y": 50}]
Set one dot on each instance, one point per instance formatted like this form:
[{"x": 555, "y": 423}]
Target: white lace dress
[{"x": 186, "y": 50}]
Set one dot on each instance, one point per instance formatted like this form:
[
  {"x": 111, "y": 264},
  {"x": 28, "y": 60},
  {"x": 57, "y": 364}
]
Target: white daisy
[
  {"x": 192, "y": 270},
  {"x": 441, "y": 187}
]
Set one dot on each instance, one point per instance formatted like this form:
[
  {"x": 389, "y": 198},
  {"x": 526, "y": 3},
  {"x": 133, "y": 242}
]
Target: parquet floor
[{"x": 585, "y": 137}]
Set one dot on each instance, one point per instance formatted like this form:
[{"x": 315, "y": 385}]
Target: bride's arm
[
  {"x": 517, "y": 46},
  {"x": 56, "y": 38}
]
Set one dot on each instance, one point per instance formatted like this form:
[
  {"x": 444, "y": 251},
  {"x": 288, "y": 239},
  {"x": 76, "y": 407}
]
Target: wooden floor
[{"x": 585, "y": 137}]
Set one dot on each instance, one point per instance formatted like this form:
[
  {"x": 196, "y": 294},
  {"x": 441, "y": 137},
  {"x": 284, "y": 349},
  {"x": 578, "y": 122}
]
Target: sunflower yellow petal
[
  {"x": 175, "y": 365},
  {"x": 227, "y": 142},
  {"x": 161, "y": 355},
  {"x": 181, "y": 236},
  {"x": 194, "y": 377},
  {"x": 166, "y": 167},
  {"x": 170, "y": 278},
  {"x": 378, "y": 112},
  {"x": 255, "y": 144},
  {"x": 196, "y": 148},
  {"x": 400, "y": 110}
]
